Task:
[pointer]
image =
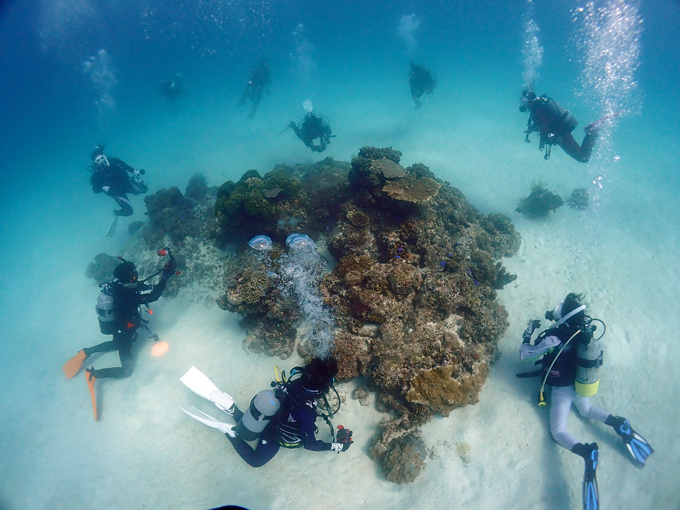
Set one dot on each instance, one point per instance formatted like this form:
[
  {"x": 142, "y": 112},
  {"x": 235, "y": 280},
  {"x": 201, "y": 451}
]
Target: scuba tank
[
  {"x": 263, "y": 407},
  {"x": 105, "y": 311},
  {"x": 589, "y": 356}
]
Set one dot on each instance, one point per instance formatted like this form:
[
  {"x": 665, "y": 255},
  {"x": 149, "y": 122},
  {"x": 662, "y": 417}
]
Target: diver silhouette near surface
[
  {"x": 171, "y": 89},
  {"x": 554, "y": 126},
  {"x": 259, "y": 79},
  {"x": 421, "y": 81}
]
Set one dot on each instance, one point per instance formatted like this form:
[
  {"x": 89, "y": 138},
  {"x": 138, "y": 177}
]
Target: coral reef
[
  {"x": 400, "y": 452},
  {"x": 409, "y": 305},
  {"x": 175, "y": 217},
  {"x": 579, "y": 199},
  {"x": 101, "y": 270},
  {"x": 540, "y": 202}
]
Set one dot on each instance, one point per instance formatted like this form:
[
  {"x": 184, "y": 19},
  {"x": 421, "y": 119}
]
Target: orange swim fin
[
  {"x": 73, "y": 366},
  {"x": 90, "y": 385}
]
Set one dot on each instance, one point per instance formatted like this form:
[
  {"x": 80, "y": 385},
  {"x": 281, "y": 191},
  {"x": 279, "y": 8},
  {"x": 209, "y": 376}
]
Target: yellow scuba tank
[{"x": 589, "y": 357}]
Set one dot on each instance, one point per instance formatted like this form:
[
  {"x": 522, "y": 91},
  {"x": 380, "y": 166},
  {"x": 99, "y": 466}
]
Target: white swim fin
[
  {"x": 208, "y": 420},
  {"x": 308, "y": 106},
  {"x": 202, "y": 386},
  {"x": 112, "y": 227}
]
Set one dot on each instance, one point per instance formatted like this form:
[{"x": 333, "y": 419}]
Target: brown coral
[
  {"x": 438, "y": 390},
  {"x": 412, "y": 190},
  {"x": 388, "y": 168}
]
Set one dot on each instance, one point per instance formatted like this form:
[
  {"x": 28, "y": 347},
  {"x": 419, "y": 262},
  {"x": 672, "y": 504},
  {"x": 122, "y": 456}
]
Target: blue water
[{"x": 352, "y": 61}]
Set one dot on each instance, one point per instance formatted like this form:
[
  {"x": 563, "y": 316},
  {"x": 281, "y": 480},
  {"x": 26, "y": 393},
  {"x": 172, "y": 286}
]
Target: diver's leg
[
  {"x": 560, "y": 404},
  {"x": 122, "y": 342},
  {"x": 124, "y": 204},
  {"x": 265, "y": 451},
  {"x": 579, "y": 153},
  {"x": 589, "y": 411}
]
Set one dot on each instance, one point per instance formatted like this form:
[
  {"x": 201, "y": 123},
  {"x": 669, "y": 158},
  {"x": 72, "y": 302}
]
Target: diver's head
[
  {"x": 527, "y": 96},
  {"x": 98, "y": 157},
  {"x": 318, "y": 376},
  {"x": 126, "y": 274},
  {"x": 564, "y": 309}
]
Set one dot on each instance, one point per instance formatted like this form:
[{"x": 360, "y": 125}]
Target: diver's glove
[
  {"x": 533, "y": 325},
  {"x": 344, "y": 438},
  {"x": 340, "y": 447}
]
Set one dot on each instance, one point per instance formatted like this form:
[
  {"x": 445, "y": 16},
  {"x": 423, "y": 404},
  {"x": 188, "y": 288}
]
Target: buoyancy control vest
[
  {"x": 578, "y": 363},
  {"x": 558, "y": 115}
]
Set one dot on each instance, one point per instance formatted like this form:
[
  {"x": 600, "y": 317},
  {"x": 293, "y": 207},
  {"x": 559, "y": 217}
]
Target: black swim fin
[{"x": 591, "y": 494}]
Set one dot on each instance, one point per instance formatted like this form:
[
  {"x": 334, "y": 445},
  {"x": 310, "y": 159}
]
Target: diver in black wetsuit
[
  {"x": 259, "y": 79},
  {"x": 127, "y": 293},
  {"x": 554, "y": 125},
  {"x": 116, "y": 179},
  {"x": 171, "y": 89},
  {"x": 312, "y": 127},
  {"x": 421, "y": 81},
  {"x": 293, "y": 425}
]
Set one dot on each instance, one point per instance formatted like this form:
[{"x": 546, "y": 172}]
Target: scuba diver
[
  {"x": 284, "y": 416},
  {"x": 422, "y": 81},
  {"x": 171, "y": 89},
  {"x": 570, "y": 359},
  {"x": 312, "y": 127},
  {"x": 118, "y": 310},
  {"x": 259, "y": 79},
  {"x": 554, "y": 125},
  {"x": 116, "y": 179}
]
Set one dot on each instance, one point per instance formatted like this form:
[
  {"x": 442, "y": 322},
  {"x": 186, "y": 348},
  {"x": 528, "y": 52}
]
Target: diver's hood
[{"x": 557, "y": 314}]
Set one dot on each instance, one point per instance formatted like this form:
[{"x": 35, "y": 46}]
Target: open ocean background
[{"x": 352, "y": 59}]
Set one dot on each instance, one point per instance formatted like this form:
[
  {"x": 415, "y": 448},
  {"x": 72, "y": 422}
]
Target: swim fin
[
  {"x": 112, "y": 227},
  {"x": 208, "y": 420},
  {"x": 591, "y": 495},
  {"x": 73, "y": 366},
  {"x": 636, "y": 445},
  {"x": 90, "y": 385},
  {"x": 200, "y": 384}
]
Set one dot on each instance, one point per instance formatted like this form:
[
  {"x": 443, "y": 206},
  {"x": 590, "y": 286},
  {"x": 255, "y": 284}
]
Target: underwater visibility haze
[{"x": 396, "y": 190}]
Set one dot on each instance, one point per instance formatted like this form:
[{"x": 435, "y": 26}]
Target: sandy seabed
[{"x": 145, "y": 453}]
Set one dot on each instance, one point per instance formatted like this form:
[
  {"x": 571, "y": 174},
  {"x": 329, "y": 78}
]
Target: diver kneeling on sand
[
  {"x": 118, "y": 310},
  {"x": 570, "y": 358},
  {"x": 284, "y": 416}
]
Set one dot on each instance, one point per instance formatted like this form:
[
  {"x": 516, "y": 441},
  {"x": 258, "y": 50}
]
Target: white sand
[{"x": 145, "y": 453}]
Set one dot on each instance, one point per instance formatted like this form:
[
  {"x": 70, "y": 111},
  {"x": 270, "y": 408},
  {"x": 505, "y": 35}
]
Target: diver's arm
[{"x": 528, "y": 351}]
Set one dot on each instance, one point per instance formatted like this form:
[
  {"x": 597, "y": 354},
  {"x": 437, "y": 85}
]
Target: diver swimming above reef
[
  {"x": 259, "y": 79},
  {"x": 554, "y": 125},
  {"x": 570, "y": 357},
  {"x": 421, "y": 81},
  {"x": 118, "y": 311},
  {"x": 115, "y": 178},
  {"x": 284, "y": 416},
  {"x": 311, "y": 128}
]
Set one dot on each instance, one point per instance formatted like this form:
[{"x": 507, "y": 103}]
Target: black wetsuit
[
  {"x": 116, "y": 175},
  {"x": 313, "y": 127},
  {"x": 548, "y": 119},
  {"x": 128, "y": 320},
  {"x": 293, "y": 420},
  {"x": 259, "y": 79},
  {"x": 421, "y": 81}
]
